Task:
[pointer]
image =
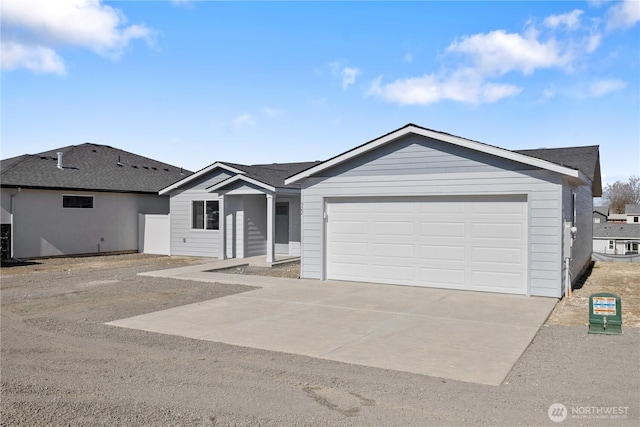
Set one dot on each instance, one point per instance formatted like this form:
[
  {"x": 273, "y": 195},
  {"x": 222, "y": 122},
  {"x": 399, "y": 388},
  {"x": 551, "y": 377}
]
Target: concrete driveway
[{"x": 459, "y": 335}]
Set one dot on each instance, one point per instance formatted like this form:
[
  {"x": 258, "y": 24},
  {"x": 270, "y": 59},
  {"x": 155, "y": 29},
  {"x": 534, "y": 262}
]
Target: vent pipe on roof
[{"x": 60, "y": 160}]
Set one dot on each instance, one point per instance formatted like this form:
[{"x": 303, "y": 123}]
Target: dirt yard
[
  {"x": 622, "y": 279},
  {"x": 63, "y": 366}
]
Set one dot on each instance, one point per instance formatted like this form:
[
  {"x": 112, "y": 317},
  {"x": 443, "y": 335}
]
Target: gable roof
[
  {"x": 89, "y": 167},
  {"x": 451, "y": 139},
  {"x": 617, "y": 231},
  {"x": 268, "y": 176},
  {"x": 632, "y": 209},
  {"x": 602, "y": 210}
]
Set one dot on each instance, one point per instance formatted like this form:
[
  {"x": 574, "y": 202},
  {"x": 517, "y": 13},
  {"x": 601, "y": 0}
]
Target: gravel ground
[{"x": 60, "y": 365}]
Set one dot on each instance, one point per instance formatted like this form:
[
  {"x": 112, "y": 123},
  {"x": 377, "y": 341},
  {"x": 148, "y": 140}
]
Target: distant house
[
  {"x": 616, "y": 238},
  {"x": 633, "y": 214},
  {"x": 229, "y": 210},
  {"x": 600, "y": 214},
  {"x": 79, "y": 200}
]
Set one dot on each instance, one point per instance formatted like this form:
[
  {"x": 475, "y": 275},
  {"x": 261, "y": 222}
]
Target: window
[
  {"x": 204, "y": 215},
  {"x": 632, "y": 249},
  {"x": 635, "y": 219},
  {"x": 77, "y": 202},
  {"x": 611, "y": 244}
]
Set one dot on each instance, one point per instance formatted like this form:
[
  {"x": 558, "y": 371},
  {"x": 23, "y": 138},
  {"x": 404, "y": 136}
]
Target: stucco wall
[{"x": 42, "y": 227}]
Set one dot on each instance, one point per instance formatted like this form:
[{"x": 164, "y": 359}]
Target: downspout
[{"x": 11, "y": 196}]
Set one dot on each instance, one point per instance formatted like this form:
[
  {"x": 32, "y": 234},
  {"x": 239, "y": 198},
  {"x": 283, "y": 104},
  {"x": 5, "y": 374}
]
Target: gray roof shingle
[
  {"x": 89, "y": 167},
  {"x": 616, "y": 231},
  {"x": 632, "y": 209},
  {"x": 273, "y": 174},
  {"x": 586, "y": 159}
]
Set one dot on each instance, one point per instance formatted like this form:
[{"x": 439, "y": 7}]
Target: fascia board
[
  {"x": 244, "y": 178},
  {"x": 198, "y": 174}
]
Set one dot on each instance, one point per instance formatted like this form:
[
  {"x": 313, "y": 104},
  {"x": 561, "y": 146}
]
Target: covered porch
[{"x": 257, "y": 220}]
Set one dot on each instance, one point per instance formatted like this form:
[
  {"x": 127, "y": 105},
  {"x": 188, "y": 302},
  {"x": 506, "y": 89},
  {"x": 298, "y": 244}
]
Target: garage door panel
[
  {"x": 393, "y": 228},
  {"x": 442, "y": 229},
  {"x": 394, "y": 272},
  {"x": 499, "y": 231},
  {"x": 442, "y": 253},
  {"x": 350, "y": 227},
  {"x": 473, "y": 243},
  {"x": 497, "y": 255},
  {"x": 441, "y": 276},
  {"x": 402, "y": 251},
  {"x": 349, "y": 248},
  {"x": 497, "y": 280}
]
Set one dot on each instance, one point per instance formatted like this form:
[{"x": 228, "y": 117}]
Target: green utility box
[{"x": 605, "y": 314}]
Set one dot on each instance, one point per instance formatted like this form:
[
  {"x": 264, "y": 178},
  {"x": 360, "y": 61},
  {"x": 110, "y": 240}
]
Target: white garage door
[{"x": 470, "y": 243}]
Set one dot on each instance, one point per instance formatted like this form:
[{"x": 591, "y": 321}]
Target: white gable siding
[
  {"x": 423, "y": 167},
  {"x": 184, "y": 240}
]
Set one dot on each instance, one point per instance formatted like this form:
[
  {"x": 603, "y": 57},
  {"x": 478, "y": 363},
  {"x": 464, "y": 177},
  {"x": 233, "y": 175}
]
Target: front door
[{"x": 282, "y": 228}]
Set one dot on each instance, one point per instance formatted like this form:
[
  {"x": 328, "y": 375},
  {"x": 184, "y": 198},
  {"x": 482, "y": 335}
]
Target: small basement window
[
  {"x": 205, "y": 215},
  {"x": 77, "y": 202}
]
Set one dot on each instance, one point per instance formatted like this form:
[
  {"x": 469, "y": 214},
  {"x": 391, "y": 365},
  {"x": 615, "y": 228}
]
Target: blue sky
[{"x": 193, "y": 82}]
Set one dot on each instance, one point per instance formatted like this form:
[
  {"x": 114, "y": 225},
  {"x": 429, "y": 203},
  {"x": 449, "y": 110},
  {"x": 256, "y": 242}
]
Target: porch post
[
  {"x": 222, "y": 220},
  {"x": 271, "y": 226}
]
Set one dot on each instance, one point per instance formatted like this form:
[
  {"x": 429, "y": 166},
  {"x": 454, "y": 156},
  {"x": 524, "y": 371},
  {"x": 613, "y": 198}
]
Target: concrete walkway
[{"x": 467, "y": 336}]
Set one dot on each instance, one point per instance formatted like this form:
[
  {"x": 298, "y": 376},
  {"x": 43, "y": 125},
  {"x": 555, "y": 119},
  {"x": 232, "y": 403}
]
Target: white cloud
[
  {"x": 243, "y": 120},
  {"x": 464, "y": 86},
  {"x": 44, "y": 26},
  {"x": 408, "y": 58},
  {"x": 569, "y": 20},
  {"x": 623, "y": 15},
  {"x": 347, "y": 75},
  {"x": 37, "y": 59},
  {"x": 272, "y": 112},
  {"x": 499, "y": 52},
  {"x": 600, "y": 88}
]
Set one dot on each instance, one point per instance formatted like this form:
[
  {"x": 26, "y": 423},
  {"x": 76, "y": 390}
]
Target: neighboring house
[
  {"x": 617, "y": 239},
  {"x": 425, "y": 208},
  {"x": 79, "y": 200},
  {"x": 228, "y": 210},
  {"x": 619, "y": 218},
  {"x": 600, "y": 214},
  {"x": 632, "y": 213}
]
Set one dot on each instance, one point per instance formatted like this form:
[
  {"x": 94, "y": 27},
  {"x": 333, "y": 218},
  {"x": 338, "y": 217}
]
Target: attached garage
[
  {"x": 424, "y": 208},
  {"x": 469, "y": 243}
]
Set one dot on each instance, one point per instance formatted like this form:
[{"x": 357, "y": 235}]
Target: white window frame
[
  {"x": 204, "y": 218},
  {"x": 93, "y": 201},
  {"x": 612, "y": 244}
]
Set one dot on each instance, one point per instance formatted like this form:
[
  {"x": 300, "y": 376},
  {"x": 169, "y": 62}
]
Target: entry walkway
[{"x": 459, "y": 335}]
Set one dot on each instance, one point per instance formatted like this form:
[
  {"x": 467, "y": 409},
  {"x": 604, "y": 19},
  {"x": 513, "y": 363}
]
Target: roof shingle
[{"x": 89, "y": 167}]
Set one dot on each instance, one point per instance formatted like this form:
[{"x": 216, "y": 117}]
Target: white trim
[
  {"x": 244, "y": 178},
  {"x": 199, "y": 174},
  {"x": 451, "y": 139}
]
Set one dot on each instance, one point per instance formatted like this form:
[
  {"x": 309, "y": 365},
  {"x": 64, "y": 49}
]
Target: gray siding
[
  {"x": 583, "y": 244},
  {"x": 184, "y": 240},
  {"x": 415, "y": 154},
  {"x": 256, "y": 225},
  {"x": 400, "y": 175}
]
